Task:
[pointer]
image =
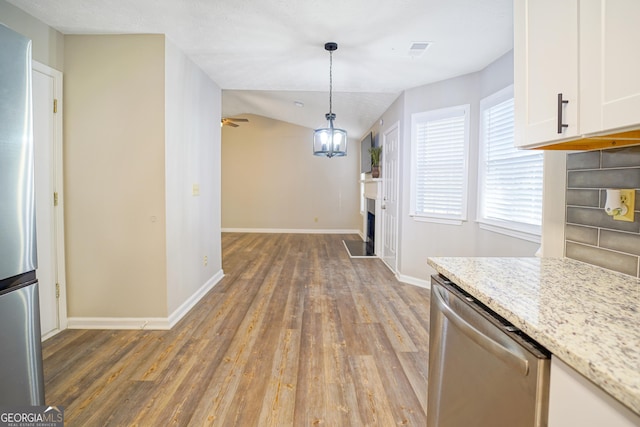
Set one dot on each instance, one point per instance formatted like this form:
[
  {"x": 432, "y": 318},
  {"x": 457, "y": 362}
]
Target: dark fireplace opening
[
  {"x": 371, "y": 232},
  {"x": 365, "y": 249},
  {"x": 371, "y": 225}
]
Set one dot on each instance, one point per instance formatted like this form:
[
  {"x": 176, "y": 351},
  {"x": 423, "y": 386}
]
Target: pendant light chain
[{"x": 330, "y": 82}]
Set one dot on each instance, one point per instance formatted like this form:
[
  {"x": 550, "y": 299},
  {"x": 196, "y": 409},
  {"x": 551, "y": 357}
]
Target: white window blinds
[
  {"x": 510, "y": 185},
  {"x": 439, "y": 163}
]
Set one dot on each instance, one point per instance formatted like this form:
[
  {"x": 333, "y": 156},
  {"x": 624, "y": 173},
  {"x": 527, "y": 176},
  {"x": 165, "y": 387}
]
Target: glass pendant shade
[{"x": 330, "y": 141}]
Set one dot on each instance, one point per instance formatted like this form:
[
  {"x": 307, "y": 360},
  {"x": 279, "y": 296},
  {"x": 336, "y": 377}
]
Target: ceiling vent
[{"x": 418, "y": 48}]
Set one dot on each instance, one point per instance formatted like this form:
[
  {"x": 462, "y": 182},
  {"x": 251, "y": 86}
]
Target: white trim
[
  {"x": 409, "y": 280},
  {"x": 509, "y": 231},
  {"x": 186, "y": 306},
  {"x": 151, "y": 323},
  {"x": 154, "y": 323},
  {"x": 50, "y": 334},
  {"x": 394, "y": 268},
  {"x": 58, "y": 186},
  {"x": 423, "y": 218},
  {"x": 361, "y": 183},
  {"x": 291, "y": 231}
]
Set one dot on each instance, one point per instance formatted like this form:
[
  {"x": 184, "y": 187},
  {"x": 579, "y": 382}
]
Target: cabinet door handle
[{"x": 560, "y": 103}]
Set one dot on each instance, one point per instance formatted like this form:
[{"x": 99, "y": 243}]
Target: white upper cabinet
[
  {"x": 545, "y": 65},
  {"x": 576, "y": 72},
  {"x": 609, "y": 65}
]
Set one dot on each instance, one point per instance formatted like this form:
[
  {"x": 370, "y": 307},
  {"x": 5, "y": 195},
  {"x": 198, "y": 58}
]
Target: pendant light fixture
[{"x": 330, "y": 141}]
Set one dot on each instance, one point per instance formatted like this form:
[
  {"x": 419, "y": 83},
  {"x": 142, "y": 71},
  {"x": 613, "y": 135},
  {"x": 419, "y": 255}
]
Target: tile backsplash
[{"x": 590, "y": 234}]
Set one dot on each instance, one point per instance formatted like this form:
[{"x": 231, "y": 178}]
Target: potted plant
[{"x": 375, "y": 152}]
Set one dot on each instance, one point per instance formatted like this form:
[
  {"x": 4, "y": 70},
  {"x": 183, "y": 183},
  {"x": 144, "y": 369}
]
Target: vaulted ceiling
[{"x": 268, "y": 54}]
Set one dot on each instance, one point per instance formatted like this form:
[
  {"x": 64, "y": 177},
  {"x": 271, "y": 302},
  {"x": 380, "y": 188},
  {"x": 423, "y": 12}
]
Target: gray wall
[
  {"x": 591, "y": 235},
  {"x": 420, "y": 240},
  {"x": 48, "y": 44}
]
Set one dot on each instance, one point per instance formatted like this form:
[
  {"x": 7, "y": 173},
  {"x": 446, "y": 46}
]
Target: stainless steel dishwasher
[{"x": 483, "y": 371}]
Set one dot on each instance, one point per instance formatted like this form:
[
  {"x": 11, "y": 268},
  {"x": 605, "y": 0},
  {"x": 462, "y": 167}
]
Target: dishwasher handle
[{"x": 478, "y": 337}]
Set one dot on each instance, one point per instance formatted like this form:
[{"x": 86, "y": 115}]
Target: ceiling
[{"x": 266, "y": 54}]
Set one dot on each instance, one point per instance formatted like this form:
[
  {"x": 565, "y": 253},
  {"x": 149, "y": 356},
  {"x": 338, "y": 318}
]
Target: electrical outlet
[
  {"x": 205, "y": 261},
  {"x": 315, "y": 219},
  {"x": 196, "y": 190},
  {"x": 628, "y": 197}
]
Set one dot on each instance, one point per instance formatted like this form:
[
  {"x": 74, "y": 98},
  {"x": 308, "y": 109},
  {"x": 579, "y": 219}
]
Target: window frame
[
  {"x": 516, "y": 229},
  {"x": 436, "y": 115}
]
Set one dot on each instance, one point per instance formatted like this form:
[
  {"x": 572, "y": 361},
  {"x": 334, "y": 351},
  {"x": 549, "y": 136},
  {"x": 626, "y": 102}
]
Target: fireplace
[
  {"x": 366, "y": 247},
  {"x": 371, "y": 226}
]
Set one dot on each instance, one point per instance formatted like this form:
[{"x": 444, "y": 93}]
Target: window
[
  {"x": 510, "y": 180},
  {"x": 439, "y": 147}
]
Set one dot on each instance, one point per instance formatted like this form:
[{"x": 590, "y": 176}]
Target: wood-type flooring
[{"x": 295, "y": 334}]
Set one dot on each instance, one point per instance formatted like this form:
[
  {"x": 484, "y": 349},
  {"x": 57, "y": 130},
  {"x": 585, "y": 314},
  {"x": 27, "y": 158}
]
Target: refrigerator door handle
[{"x": 501, "y": 352}]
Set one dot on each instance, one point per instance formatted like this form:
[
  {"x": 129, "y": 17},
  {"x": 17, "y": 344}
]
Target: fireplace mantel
[{"x": 373, "y": 190}]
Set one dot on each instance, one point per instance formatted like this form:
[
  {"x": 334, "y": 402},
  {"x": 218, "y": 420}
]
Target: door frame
[
  {"x": 58, "y": 186},
  {"x": 385, "y": 132}
]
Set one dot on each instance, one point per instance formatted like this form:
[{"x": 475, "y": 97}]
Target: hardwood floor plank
[
  {"x": 415, "y": 368},
  {"x": 417, "y": 301},
  {"x": 96, "y": 378},
  {"x": 372, "y": 400},
  {"x": 278, "y": 404},
  {"x": 246, "y": 407},
  {"x": 179, "y": 389},
  {"x": 71, "y": 348},
  {"x": 342, "y": 402},
  {"x": 310, "y": 403},
  {"x": 295, "y": 334},
  {"x": 92, "y": 373},
  {"x": 219, "y": 396},
  {"x": 396, "y": 380}
]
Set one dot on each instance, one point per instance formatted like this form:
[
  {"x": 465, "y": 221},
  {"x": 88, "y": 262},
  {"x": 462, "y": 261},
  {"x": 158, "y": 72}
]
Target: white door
[
  {"x": 390, "y": 156},
  {"x": 47, "y": 138}
]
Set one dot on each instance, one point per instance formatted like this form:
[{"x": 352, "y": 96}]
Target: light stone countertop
[{"x": 585, "y": 315}]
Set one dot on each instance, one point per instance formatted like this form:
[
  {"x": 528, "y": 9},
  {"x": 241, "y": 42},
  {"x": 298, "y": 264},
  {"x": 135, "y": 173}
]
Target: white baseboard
[
  {"x": 414, "y": 281},
  {"x": 186, "y": 306},
  {"x": 289, "y": 231},
  {"x": 409, "y": 280},
  {"x": 155, "y": 323},
  {"x": 50, "y": 334}
]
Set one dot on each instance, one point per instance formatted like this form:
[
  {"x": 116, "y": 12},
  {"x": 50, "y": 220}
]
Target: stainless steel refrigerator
[{"x": 21, "y": 374}]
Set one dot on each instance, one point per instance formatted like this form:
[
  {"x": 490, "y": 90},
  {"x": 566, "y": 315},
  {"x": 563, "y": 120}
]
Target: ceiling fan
[{"x": 229, "y": 121}]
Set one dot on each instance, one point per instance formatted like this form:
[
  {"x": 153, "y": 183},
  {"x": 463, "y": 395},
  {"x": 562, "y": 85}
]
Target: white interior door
[
  {"x": 47, "y": 138},
  {"x": 390, "y": 156}
]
